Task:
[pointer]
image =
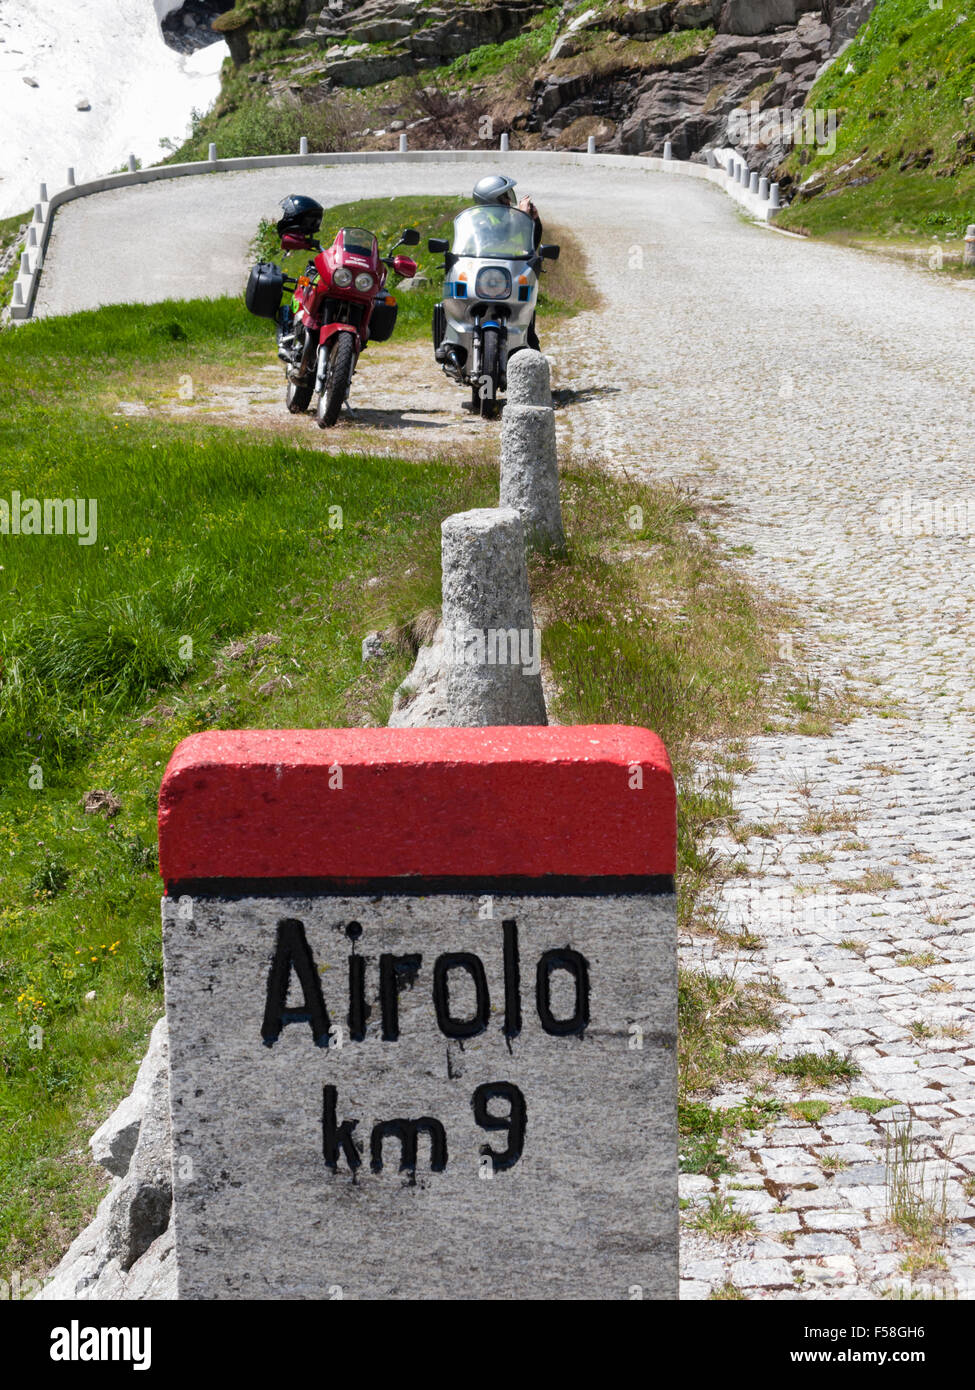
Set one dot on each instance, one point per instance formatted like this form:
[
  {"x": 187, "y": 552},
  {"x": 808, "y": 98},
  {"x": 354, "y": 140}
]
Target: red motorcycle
[{"x": 339, "y": 304}]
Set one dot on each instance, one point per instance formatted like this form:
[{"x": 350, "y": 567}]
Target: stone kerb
[{"x": 421, "y": 990}]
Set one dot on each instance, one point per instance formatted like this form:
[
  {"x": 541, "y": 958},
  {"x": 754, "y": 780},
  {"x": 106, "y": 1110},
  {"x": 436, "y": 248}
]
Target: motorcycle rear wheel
[
  {"x": 341, "y": 365},
  {"x": 298, "y": 396}
]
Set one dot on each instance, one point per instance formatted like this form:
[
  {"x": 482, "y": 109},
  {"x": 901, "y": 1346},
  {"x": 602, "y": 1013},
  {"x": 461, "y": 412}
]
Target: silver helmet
[{"x": 496, "y": 188}]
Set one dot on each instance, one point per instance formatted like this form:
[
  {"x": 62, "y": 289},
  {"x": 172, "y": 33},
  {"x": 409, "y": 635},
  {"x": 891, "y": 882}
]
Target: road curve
[{"x": 820, "y": 400}]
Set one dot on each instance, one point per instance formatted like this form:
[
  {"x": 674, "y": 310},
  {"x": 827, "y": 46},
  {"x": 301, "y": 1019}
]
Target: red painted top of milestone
[{"x": 585, "y": 801}]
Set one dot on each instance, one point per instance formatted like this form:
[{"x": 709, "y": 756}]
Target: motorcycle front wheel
[
  {"x": 338, "y": 379},
  {"x": 490, "y": 360}
]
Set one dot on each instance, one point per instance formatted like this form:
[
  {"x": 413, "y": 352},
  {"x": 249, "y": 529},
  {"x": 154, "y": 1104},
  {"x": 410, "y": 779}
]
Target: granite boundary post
[{"x": 421, "y": 990}]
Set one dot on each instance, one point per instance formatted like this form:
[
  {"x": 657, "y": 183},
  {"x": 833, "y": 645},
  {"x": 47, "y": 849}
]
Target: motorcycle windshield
[
  {"x": 494, "y": 231},
  {"x": 357, "y": 241}
]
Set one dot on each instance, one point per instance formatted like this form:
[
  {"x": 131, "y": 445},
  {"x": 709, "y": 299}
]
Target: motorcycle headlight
[
  {"x": 363, "y": 282},
  {"x": 492, "y": 282},
  {"x": 342, "y": 277}
]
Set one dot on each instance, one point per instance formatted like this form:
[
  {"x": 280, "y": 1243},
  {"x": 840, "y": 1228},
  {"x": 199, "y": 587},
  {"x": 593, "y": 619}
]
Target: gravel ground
[{"x": 814, "y": 395}]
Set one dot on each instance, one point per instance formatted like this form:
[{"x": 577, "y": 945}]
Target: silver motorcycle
[{"x": 490, "y": 294}]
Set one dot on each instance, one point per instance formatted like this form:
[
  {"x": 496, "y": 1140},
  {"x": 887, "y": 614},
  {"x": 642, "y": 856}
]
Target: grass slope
[{"x": 904, "y": 165}]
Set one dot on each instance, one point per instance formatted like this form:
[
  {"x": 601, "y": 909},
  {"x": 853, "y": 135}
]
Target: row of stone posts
[{"x": 484, "y": 665}]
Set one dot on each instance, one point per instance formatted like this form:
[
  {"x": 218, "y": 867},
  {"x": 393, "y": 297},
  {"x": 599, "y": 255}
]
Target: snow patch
[{"x": 111, "y": 55}]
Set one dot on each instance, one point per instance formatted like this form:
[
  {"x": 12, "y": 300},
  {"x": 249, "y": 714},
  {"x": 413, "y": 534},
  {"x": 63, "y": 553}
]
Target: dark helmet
[
  {"x": 302, "y": 216},
  {"x": 496, "y": 188}
]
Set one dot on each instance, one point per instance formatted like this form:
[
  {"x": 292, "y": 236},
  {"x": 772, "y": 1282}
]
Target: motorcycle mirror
[
  {"x": 405, "y": 265},
  {"x": 438, "y": 245},
  {"x": 549, "y": 253},
  {"x": 411, "y": 237}
]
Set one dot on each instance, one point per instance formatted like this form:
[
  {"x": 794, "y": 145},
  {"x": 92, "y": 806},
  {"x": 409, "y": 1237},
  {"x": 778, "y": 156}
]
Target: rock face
[
  {"x": 382, "y": 39},
  {"x": 632, "y": 77},
  {"x": 127, "y": 1251},
  {"x": 745, "y": 88}
]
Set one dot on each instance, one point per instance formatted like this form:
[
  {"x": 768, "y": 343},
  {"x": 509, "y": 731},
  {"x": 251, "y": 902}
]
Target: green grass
[
  {"x": 707, "y": 1131},
  {"x": 10, "y": 236},
  {"x": 720, "y": 1219},
  {"x": 563, "y": 291},
  {"x": 816, "y": 1068},
  {"x": 902, "y": 117},
  {"x": 870, "y": 1105}
]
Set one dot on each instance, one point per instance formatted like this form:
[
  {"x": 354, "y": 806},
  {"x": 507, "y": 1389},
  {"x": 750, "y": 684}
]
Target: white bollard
[
  {"x": 24, "y": 263},
  {"x": 730, "y": 168},
  {"x": 42, "y": 195},
  {"x": 591, "y": 145},
  {"x": 753, "y": 182},
  {"x": 212, "y": 154},
  {"x": 763, "y": 189},
  {"x": 504, "y": 144},
  {"x": 712, "y": 159},
  {"x": 38, "y": 213},
  {"x": 668, "y": 150},
  {"x": 133, "y": 164},
  {"x": 403, "y": 142},
  {"x": 18, "y": 296},
  {"x": 70, "y": 182},
  {"x": 303, "y": 145},
  {"x": 773, "y": 196},
  {"x": 31, "y": 235},
  {"x": 968, "y": 256}
]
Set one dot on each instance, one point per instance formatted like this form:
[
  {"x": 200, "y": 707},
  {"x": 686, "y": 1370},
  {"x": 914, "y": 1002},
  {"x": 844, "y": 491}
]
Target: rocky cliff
[{"x": 694, "y": 72}]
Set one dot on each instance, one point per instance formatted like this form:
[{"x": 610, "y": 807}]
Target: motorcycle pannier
[
  {"x": 264, "y": 287},
  {"x": 383, "y": 319}
]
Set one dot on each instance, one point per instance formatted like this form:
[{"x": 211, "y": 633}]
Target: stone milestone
[{"x": 422, "y": 1007}]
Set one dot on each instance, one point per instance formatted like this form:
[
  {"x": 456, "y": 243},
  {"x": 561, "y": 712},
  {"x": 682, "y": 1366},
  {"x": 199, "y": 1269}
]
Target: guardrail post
[
  {"x": 18, "y": 294},
  {"x": 212, "y": 154},
  {"x": 968, "y": 256},
  {"x": 591, "y": 145},
  {"x": 32, "y": 235},
  {"x": 303, "y": 145},
  {"x": 763, "y": 189},
  {"x": 133, "y": 164},
  {"x": 773, "y": 196},
  {"x": 403, "y": 142},
  {"x": 25, "y": 264},
  {"x": 504, "y": 143},
  {"x": 42, "y": 195},
  {"x": 730, "y": 168},
  {"x": 38, "y": 213},
  {"x": 668, "y": 150},
  {"x": 70, "y": 179},
  {"x": 753, "y": 182}
]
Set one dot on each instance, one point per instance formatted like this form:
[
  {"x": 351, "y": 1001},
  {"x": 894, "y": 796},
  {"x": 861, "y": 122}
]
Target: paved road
[{"x": 821, "y": 399}]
